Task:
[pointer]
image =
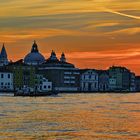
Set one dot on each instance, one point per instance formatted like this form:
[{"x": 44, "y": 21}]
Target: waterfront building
[
  {"x": 34, "y": 57},
  {"x": 137, "y": 83},
  {"x": 24, "y": 75},
  {"x": 121, "y": 78},
  {"x": 132, "y": 82},
  {"x": 103, "y": 80},
  {"x": 89, "y": 80},
  {"x": 112, "y": 84},
  {"x": 6, "y": 80},
  {"x": 63, "y": 75},
  {"x": 43, "y": 84},
  {"x": 3, "y": 57}
]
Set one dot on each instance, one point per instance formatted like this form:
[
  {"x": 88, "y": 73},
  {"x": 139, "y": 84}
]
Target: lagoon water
[{"x": 70, "y": 117}]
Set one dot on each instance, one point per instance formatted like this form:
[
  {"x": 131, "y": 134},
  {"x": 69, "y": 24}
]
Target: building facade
[
  {"x": 6, "y": 80},
  {"x": 121, "y": 79},
  {"x": 63, "y": 75},
  {"x": 89, "y": 81},
  {"x": 43, "y": 84},
  {"x": 103, "y": 81},
  {"x": 132, "y": 82},
  {"x": 57, "y": 74},
  {"x": 137, "y": 83},
  {"x": 112, "y": 84},
  {"x": 23, "y": 75}
]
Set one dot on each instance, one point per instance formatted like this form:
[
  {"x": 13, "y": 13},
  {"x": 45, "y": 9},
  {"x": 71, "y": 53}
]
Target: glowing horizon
[{"x": 93, "y": 33}]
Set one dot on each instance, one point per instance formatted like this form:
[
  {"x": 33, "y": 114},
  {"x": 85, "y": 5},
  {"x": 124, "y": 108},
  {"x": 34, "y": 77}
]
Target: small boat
[{"x": 35, "y": 94}]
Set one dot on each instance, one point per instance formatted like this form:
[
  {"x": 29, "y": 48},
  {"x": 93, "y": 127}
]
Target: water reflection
[{"x": 71, "y": 116}]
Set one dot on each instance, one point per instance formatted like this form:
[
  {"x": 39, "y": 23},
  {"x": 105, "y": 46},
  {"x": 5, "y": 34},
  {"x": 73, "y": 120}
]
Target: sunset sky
[{"x": 92, "y": 33}]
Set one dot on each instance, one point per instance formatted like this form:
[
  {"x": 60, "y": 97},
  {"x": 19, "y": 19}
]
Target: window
[
  {"x": 72, "y": 77},
  {"x": 67, "y": 72},
  {"x": 8, "y": 75},
  {"x": 2, "y": 83},
  {"x": 89, "y": 76},
  {"x": 44, "y": 86},
  {"x": 72, "y": 82},
  {"x": 66, "y": 77},
  {"x": 95, "y": 77},
  {"x": 84, "y": 76},
  {"x": 1, "y": 75},
  {"x": 66, "y": 82},
  {"x": 95, "y": 85},
  {"x": 76, "y": 73},
  {"x": 83, "y": 85},
  {"x": 49, "y": 87}
]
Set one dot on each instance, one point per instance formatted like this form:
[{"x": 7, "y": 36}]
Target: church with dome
[
  {"x": 64, "y": 76},
  {"x": 34, "y": 57}
]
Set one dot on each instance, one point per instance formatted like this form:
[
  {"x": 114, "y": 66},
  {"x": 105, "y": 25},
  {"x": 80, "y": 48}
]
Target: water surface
[{"x": 70, "y": 116}]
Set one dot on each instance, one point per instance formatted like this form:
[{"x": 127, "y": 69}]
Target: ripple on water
[
  {"x": 79, "y": 117},
  {"x": 130, "y": 102}
]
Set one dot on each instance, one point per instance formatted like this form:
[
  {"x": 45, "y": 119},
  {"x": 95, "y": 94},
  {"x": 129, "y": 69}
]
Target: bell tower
[
  {"x": 34, "y": 47},
  {"x": 63, "y": 58},
  {"x": 3, "y": 56}
]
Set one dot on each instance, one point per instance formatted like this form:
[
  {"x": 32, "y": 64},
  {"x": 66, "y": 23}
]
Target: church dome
[{"x": 34, "y": 57}]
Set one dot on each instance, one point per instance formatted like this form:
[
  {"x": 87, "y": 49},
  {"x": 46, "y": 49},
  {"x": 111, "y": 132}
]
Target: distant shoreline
[{"x": 92, "y": 92}]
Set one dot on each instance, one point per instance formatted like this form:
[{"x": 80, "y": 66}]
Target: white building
[
  {"x": 43, "y": 84},
  {"x": 6, "y": 81},
  {"x": 89, "y": 81}
]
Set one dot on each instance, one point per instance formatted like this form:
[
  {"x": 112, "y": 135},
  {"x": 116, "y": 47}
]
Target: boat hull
[{"x": 36, "y": 94}]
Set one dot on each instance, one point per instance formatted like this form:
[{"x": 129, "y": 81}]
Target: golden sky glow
[{"x": 93, "y": 33}]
